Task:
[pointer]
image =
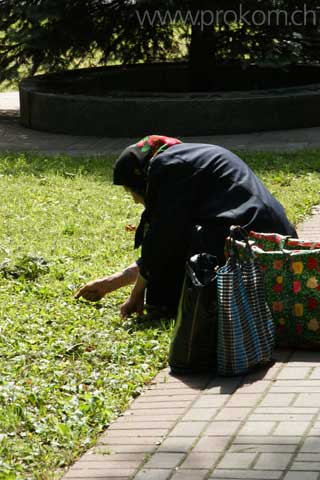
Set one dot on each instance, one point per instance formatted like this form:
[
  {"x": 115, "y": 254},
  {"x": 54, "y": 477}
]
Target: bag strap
[
  {"x": 240, "y": 234},
  {"x": 284, "y": 242}
]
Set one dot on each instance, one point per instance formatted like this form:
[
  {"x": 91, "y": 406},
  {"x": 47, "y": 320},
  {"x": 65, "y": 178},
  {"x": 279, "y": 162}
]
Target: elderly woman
[{"x": 182, "y": 185}]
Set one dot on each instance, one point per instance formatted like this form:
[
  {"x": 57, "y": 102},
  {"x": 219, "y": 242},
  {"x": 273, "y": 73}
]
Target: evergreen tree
[{"x": 53, "y": 34}]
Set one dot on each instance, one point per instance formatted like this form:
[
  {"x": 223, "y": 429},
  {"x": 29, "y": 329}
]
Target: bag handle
[
  {"x": 284, "y": 242},
  {"x": 239, "y": 233}
]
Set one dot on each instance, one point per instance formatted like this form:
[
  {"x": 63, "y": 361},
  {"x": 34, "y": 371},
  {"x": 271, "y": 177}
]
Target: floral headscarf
[{"x": 132, "y": 166}]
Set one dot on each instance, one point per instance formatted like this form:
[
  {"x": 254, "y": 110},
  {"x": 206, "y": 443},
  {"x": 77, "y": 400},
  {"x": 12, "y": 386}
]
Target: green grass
[{"x": 67, "y": 368}]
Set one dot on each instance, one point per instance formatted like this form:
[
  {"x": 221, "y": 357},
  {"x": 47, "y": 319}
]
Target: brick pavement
[{"x": 263, "y": 426}]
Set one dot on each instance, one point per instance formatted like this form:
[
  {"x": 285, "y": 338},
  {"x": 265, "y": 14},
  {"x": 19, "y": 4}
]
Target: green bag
[{"x": 292, "y": 282}]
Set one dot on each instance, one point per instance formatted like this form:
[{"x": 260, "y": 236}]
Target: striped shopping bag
[{"x": 245, "y": 324}]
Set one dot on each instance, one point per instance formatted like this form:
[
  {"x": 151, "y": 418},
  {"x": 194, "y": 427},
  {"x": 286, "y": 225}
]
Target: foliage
[
  {"x": 67, "y": 368},
  {"x": 28, "y": 267},
  {"x": 53, "y": 34}
]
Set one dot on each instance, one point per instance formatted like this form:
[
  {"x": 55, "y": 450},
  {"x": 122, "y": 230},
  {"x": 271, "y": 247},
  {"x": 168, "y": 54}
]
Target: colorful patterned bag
[
  {"x": 245, "y": 325},
  {"x": 292, "y": 282}
]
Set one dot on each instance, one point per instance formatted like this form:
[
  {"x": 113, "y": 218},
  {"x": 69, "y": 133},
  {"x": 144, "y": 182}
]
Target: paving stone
[
  {"x": 236, "y": 413},
  {"x": 89, "y": 477},
  {"x": 281, "y": 417},
  {"x": 188, "y": 429},
  {"x": 122, "y": 448},
  {"x": 244, "y": 400},
  {"x": 209, "y": 401},
  {"x": 155, "y": 474},
  {"x": 315, "y": 430},
  {"x": 246, "y": 474},
  {"x": 102, "y": 464},
  {"x": 305, "y": 466},
  {"x": 273, "y": 372},
  {"x": 301, "y": 476},
  {"x": 200, "y": 414},
  {"x": 311, "y": 444},
  {"x": 168, "y": 396},
  {"x": 237, "y": 460},
  {"x": 315, "y": 375},
  {"x": 310, "y": 411},
  {"x": 91, "y": 456},
  {"x": 308, "y": 386},
  {"x": 198, "y": 460},
  {"x": 296, "y": 383},
  {"x": 298, "y": 373},
  {"x": 177, "y": 444},
  {"x": 257, "y": 428},
  {"x": 211, "y": 444},
  {"x": 267, "y": 440},
  {"x": 273, "y": 461},
  {"x": 277, "y": 400},
  {"x": 145, "y": 404},
  {"x": 100, "y": 473},
  {"x": 262, "y": 448},
  {"x": 291, "y": 428},
  {"x": 164, "y": 414},
  {"x": 163, "y": 391},
  {"x": 223, "y": 386},
  {"x": 107, "y": 440},
  {"x": 254, "y": 387},
  {"x": 148, "y": 432},
  {"x": 306, "y": 399},
  {"x": 134, "y": 424},
  {"x": 264, "y": 374},
  {"x": 196, "y": 382},
  {"x": 308, "y": 457},
  {"x": 222, "y": 428},
  {"x": 190, "y": 475},
  {"x": 159, "y": 386},
  {"x": 164, "y": 460}
]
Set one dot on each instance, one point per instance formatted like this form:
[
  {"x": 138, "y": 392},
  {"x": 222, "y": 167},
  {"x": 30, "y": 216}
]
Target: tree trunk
[{"x": 202, "y": 49}]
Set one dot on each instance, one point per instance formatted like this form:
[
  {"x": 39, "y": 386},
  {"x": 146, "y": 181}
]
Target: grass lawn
[{"x": 69, "y": 367}]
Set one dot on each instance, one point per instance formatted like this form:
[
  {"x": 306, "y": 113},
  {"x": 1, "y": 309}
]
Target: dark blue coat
[{"x": 198, "y": 184}]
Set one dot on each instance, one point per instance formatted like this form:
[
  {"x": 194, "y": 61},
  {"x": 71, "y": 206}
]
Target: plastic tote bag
[
  {"x": 292, "y": 281},
  {"x": 245, "y": 324},
  {"x": 193, "y": 345}
]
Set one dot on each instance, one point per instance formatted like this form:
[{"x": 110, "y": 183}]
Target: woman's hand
[
  {"x": 132, "y": 305},
  {"x": 96, "y": 290},
  {"x": 135, "y": 303}
]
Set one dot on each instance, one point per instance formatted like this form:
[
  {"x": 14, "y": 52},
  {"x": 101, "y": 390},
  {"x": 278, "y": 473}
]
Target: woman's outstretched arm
[{"x": 97, "y": 289}]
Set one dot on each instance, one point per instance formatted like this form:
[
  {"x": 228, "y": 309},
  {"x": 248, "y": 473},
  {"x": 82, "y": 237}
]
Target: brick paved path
[{"x": 264, "y": 426}]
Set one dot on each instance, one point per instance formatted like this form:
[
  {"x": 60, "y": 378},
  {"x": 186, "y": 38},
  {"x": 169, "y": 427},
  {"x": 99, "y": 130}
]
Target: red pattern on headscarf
[{"x": 157, "y": 143}]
